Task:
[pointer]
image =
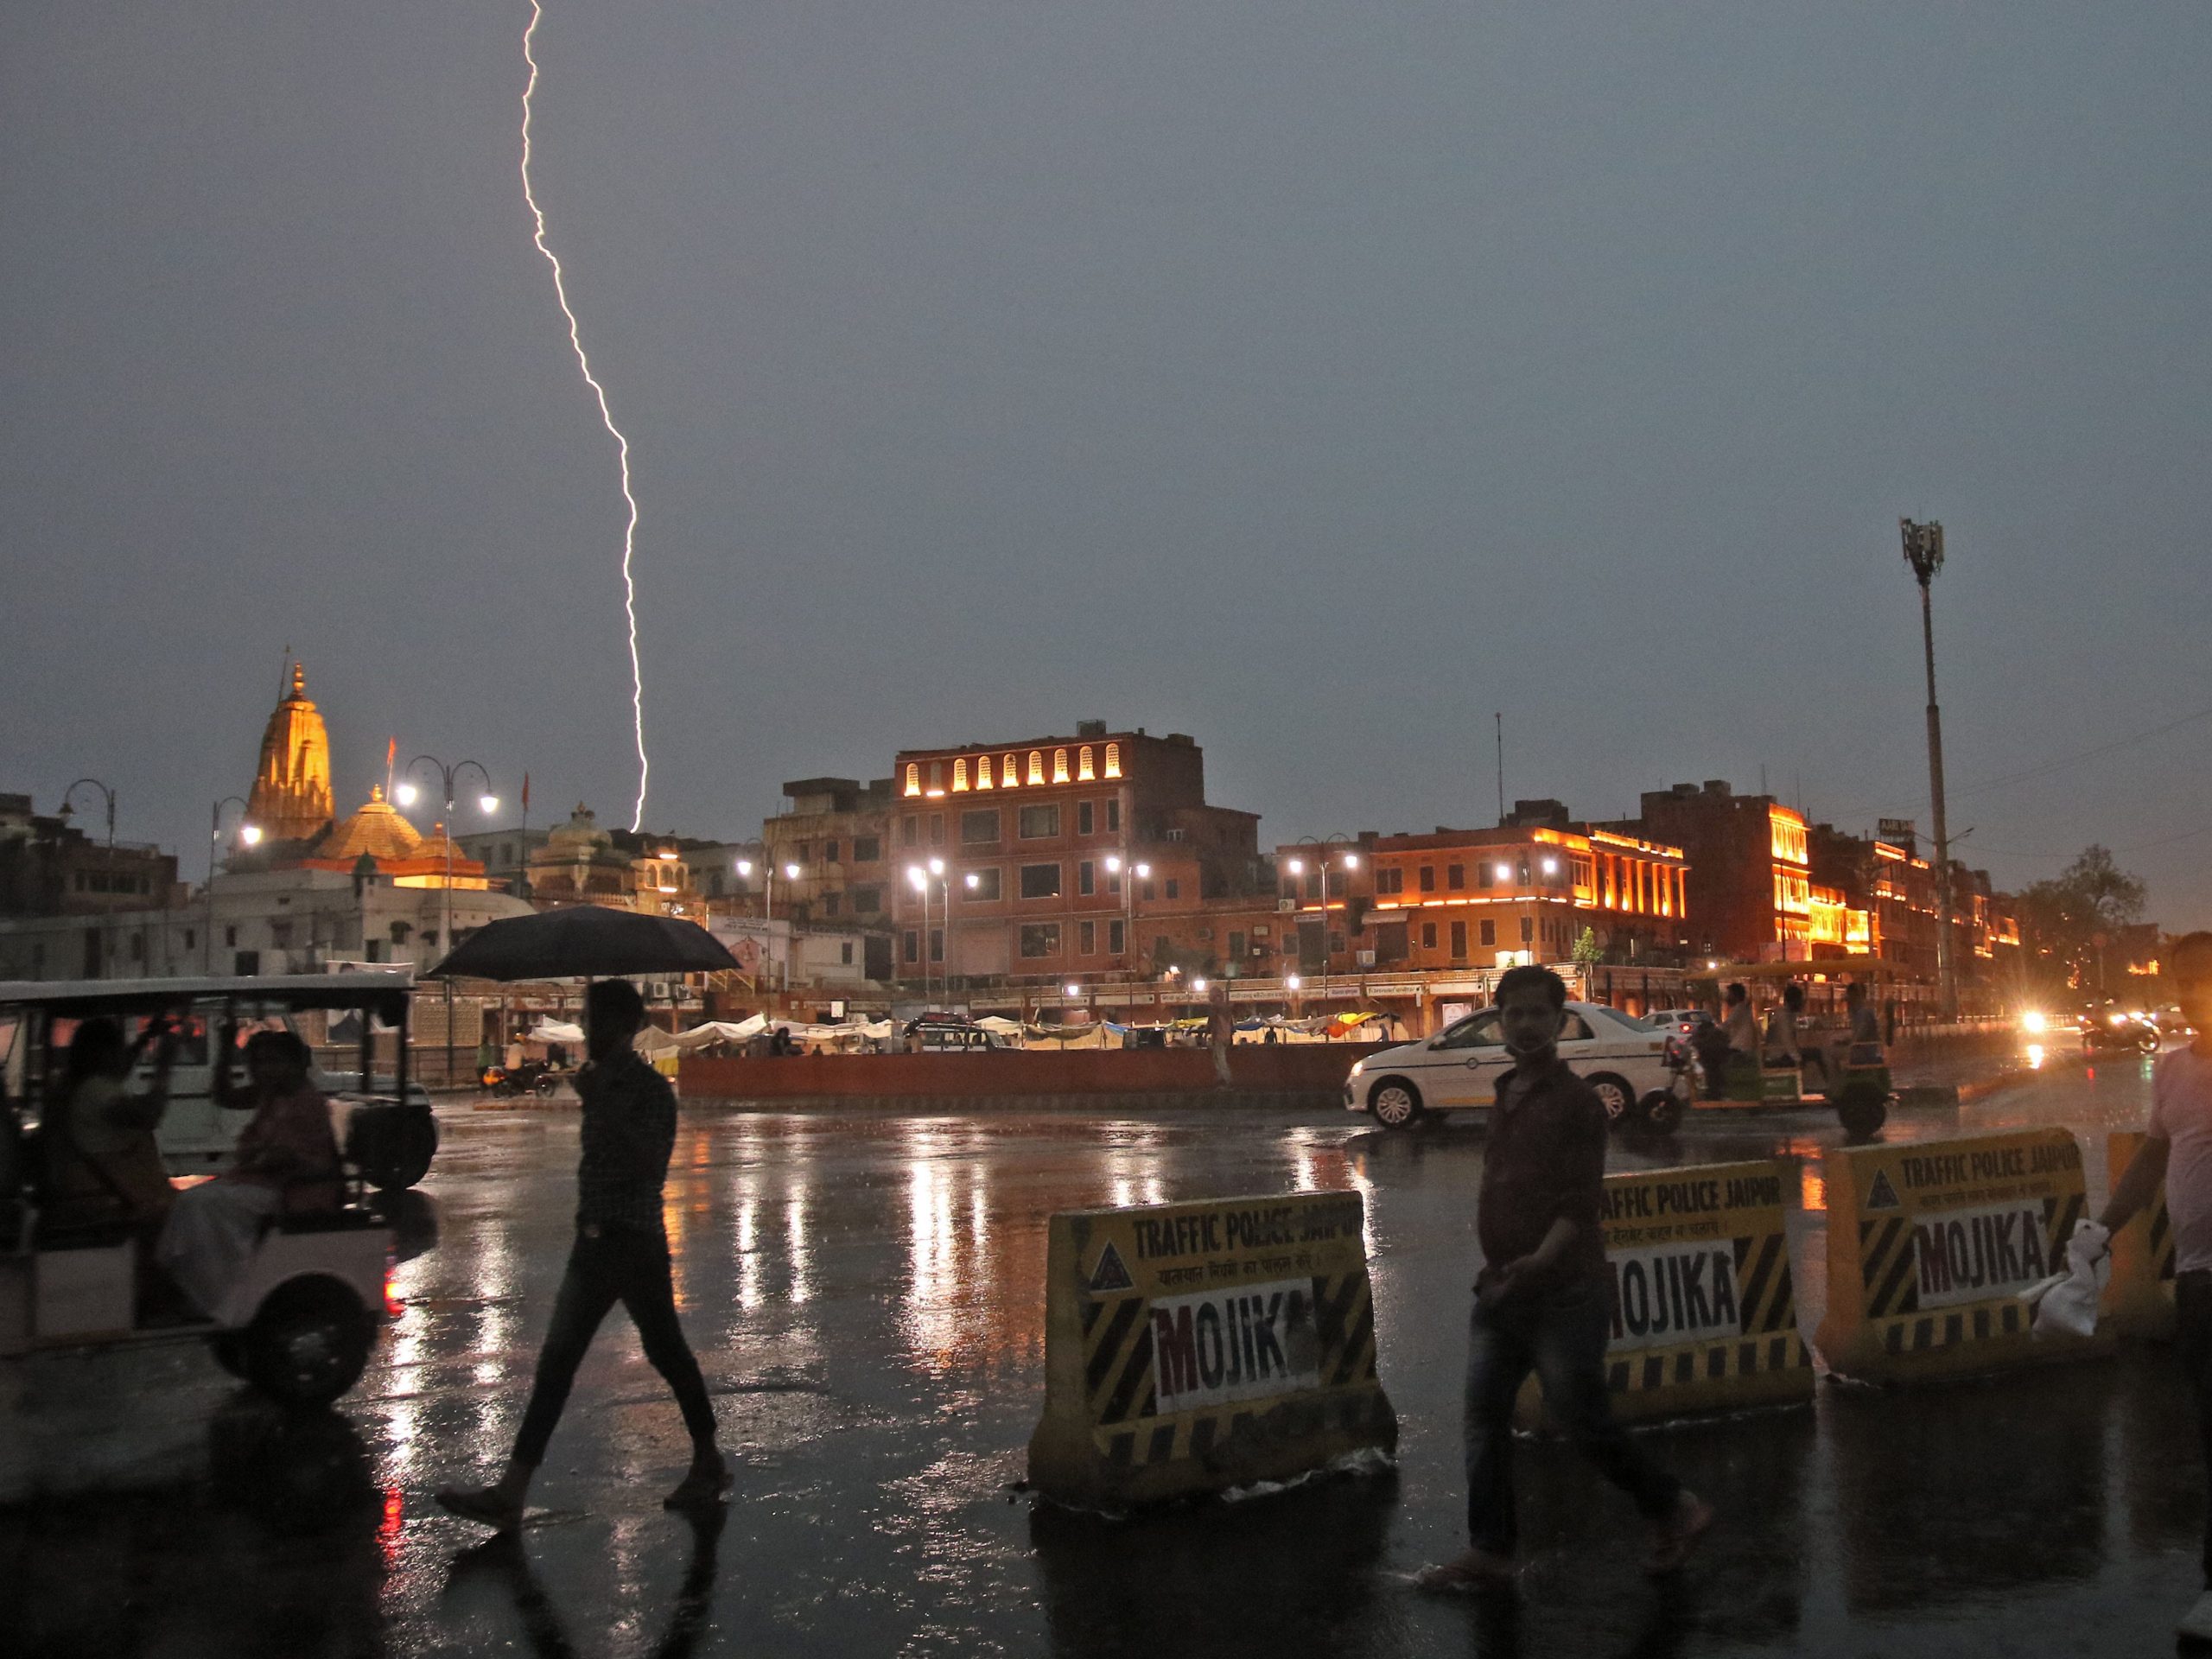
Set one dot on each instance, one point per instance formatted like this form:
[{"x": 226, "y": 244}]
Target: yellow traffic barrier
[
  {"x": 1704, "y": 1310},
  {"x": 1931, "y": 1244},
  {"x": 1193, "y": 1347},
  {"x": 2139, "y": 1298}
]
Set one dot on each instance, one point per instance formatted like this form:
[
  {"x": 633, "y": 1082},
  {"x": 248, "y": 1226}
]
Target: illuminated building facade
[
  {"x": 1750, "y": 888},
  {"x": 290, "y": 797},
  {"x": 1020, "y": 861},
  {"x": 1526, "y": 891}
]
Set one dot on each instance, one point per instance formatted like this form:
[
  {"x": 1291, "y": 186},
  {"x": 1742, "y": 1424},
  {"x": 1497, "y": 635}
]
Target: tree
[
  {"x": 2068, "y": 921},
  {"x": 1588, "y": 951}
]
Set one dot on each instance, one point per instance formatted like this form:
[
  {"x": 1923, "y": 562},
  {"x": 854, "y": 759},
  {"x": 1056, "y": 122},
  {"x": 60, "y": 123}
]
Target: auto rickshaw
[
  {"x": 1862, "y": 1093},
  {"x": 300, "y": 1322}
]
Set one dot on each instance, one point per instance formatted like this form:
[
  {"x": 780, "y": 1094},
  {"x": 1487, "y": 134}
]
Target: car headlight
[
  {"x": 2034, "y": 1024},
  {"x": 1357, "y": 1067},
  {"x": 2119, "y": 1019}
]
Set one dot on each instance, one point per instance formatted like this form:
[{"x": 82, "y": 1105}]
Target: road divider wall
[
  {"x": 1189, "y": 1347},
  {"x": 1304, "y": 1073},
  {"x": 1929, "y": 1245},
  {"x": 1705, "y": 1309},
  {"x": 2139, "y": 1298}
]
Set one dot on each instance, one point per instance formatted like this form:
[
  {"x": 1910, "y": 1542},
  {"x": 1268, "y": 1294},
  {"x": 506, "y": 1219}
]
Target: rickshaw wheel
[
  {"x": 1861, "y": 1112},
  {"x": 1661, "y": 1110},
  {"x": 229, "y": 1350},
  {"x": 310, "y": 1342}
]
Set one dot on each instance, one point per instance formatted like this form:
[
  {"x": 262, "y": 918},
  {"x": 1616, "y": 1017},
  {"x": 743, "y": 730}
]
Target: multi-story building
[
  {"x": 1045, "y": 860},
  {"x": 1749, "y": 886},
  {"x": 836, "y": 833},
  {"x": 48, "y": 866},
  {"x": 1527, "y": 890},
  {"x": 581, "y": 863}
]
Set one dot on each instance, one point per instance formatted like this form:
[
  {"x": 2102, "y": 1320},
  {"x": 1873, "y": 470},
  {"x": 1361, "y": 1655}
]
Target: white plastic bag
[{"x": 2066, "y": 1303}]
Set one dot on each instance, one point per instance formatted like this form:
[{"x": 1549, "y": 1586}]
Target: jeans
[
  {"x": 1561, "y": 1334},
  {"x": 2193, "y": 1347},
  {"x": 608, "y": 1265}
]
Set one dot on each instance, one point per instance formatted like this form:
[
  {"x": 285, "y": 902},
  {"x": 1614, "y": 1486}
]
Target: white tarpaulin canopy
[{"x": 553, "y": 1031}]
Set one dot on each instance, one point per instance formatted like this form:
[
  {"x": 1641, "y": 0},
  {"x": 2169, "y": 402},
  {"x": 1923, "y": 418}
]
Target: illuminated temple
[{"x": 290, "y": 797}]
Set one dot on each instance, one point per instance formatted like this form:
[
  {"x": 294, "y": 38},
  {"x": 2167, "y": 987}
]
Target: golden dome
[
  {"x": 377, "y": 829},
  {"x": 291, "y": 796}
]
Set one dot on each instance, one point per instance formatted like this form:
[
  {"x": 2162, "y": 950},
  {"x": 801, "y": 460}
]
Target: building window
[
  {"x": 1389, "y": 881},
  {"x": 911, "y": 945},
  {"x": 1527, "y": 930},
  {"x": 280, "y": 935},
  {"x": 1086, "y": 881},
  {"x": 979, "y": 829},
  {"x": 984, "y": 767},
  {"x": 910, "y": 828},
  {"x": 1117, "y": 939},
  {"x": 246, "y": 963},
  {"x": 1059, "y": 765},
  {"x": 1455, "y": 876},
  {"x": 913, "y": 778},
  {"x": 830, "y": 852},
  {"x": 1429, "y": 936},
  {"x": 1113, "y": 814},
  {"x": 937, "y": 829},
  {"x": 1174, "y": 888},
  {"x": 937, "y": 944},
  {"x": 1458, "y": 941},
  {"x": 1040, "y": 940},
  {"x": 1489, "y": 933},
  {"x": 1086, "y": 936},
  {"x": 982, "y": 886},
  {"x": 1113, "y": 760},
  {"x": 867, "y": 849},
  {"x": 1428, "y": 878},
  {"x": 867, "y": 900},
  {"x": 845, "y": 953},
  {"x": 1083, "y": 774},
  {"x": 1145, "y": 893},
  {"x": 1036, "y": 766},
  {"x": 960, "y": 774},
  {"x": 829, "y": 903},
  {"x": 1484, "y": 871},
  {"x": 1083, "y": 814},
  {"x": 1236, "y": 946},
  {"x": 231, "y": 935},
  {"x": 1008, "y": 776},
  {"x": 374, "y": 950},
  {"x": 1040, "y": 822},
  {"x": 1041, "y": 881}
]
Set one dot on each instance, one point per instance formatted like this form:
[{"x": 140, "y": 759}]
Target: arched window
[
  {"x": 960, "y": 773},
  {"x": 983, "y": 771},
  {"x": 1083, "y": 773},
  {"x": 913, "y": 777},
  {"x": 1036, "y": 765},
  {"x": 1113, "y": 760},
  {"x": 1059, "y": 765},
  {"x": 1007, "y": 775}
]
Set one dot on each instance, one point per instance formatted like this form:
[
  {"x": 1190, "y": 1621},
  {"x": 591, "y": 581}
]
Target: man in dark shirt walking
[
  {"x": 1544, "y": 1298},
  {"x": 621, "y": 1254}
]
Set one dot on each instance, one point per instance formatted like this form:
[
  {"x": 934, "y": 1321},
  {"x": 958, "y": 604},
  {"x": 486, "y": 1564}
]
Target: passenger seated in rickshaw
[
  {"x": 286, "y": 1165},
  {"x": 97, "y": 1146},
  {"x": 1786, "y": 1044}
]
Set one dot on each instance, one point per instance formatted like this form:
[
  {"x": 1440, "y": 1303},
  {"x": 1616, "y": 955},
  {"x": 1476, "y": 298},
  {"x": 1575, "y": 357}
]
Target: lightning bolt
[{"x": 606, "y": 415}]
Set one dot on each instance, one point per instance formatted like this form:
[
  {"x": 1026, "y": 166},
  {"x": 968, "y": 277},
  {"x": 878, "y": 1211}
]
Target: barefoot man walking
[
  {"x": 621, "y": 1254},
  {"x": 1544, "y": 1299}
]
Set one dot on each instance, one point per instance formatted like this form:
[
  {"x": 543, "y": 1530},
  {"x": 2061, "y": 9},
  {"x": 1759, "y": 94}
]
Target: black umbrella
[{"x": 585, "y": 940}]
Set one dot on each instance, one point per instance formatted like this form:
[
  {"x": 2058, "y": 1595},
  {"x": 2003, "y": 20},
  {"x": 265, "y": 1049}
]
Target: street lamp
[
  {"x": 1347, "y": 861},
  {"x": 918, "y": 879},
  {"x": 106, "y": 793},
  {"x": 409, "y": 794},
  {"x": 1923, "y": 552},
  {"x": 1136, "y": 873},
  {"x": 248, "y": 833}
]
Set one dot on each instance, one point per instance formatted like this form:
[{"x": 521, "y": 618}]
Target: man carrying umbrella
[{"x": 621, "y": 1254}]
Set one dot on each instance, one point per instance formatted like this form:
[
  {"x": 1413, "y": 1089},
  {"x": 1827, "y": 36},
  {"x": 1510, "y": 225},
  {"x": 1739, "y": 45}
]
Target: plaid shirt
[{"x": 629, "y": 1131}]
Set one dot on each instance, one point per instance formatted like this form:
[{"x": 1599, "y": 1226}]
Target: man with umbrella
[{"x": 621, "y": 1254}]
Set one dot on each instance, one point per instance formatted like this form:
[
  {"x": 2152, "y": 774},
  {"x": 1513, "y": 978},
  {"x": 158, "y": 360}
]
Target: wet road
[{"x": 865, "y": 1293}]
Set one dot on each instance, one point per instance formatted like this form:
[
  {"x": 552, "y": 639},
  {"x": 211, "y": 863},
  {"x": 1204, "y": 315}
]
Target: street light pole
[
  {"x": 491, "y": 804},
  {"x": 249, "y": 833},
  {"x": 1923, "y": 552},
  {"x": 1129, "y": 875},
  {"x": 106, "y": 793}
]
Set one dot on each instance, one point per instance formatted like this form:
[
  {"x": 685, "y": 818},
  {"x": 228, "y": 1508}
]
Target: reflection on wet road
[{"x": 866, "y": 1296}]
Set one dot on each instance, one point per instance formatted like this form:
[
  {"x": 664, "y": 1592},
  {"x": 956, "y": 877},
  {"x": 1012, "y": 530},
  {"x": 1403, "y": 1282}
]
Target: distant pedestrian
[
  {"x": 621, "y": 1254},
  {"x": 1866, "y": 1028},
  {"x": 1544, "y": 1299},
  {"x": 2177, "y": 1153}
]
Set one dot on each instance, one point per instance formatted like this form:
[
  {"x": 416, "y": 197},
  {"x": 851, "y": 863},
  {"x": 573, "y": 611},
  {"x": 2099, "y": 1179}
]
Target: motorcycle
[
  {"x": 532, "y": 1078},
  {"x": 2117, "y": 1032}
]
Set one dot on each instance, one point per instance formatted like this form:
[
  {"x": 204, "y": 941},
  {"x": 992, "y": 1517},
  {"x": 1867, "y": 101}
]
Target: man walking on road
[
  {"x": 621, "y": 1254},
  {"x": 1544, "y": 1298},
  {"x": 2177, "y": 1153}
]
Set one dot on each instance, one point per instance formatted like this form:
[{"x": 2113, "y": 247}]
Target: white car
[{"x": 1457, "y": 1071}]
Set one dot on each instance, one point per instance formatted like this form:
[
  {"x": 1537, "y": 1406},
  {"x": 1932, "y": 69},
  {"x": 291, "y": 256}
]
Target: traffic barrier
[
  {"x": 1193, "y": 1347},
  {"x": 2139, "y": 1298},
  {"x": 1704, "y": 1310},
  {"x": 1931, "y": 1244}
]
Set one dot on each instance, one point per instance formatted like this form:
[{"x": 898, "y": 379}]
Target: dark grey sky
[{"x": 1315, "y": 379}]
